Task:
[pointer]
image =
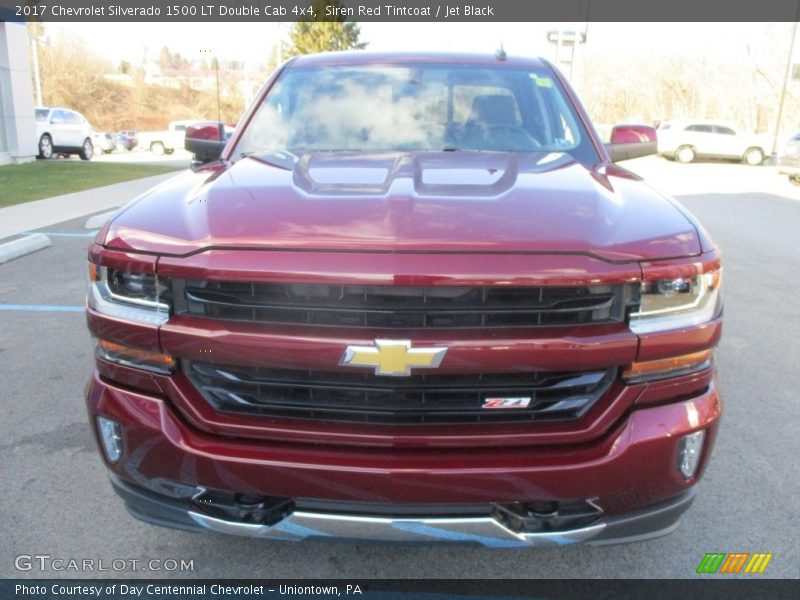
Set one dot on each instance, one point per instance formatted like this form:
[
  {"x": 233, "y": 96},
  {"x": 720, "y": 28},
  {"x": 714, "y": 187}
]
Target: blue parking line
[
  {"x": 41, "y": 308},
  {"x": 59, "y": 234}
]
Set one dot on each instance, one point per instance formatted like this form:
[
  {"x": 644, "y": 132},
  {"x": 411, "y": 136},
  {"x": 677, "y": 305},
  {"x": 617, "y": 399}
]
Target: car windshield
[
  {"x": 424, "y": 107},
  {"x": 41, "y": 114}
]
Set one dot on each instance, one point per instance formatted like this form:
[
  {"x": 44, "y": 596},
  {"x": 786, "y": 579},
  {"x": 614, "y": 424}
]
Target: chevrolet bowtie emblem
[{"x": 393, "y": 357}]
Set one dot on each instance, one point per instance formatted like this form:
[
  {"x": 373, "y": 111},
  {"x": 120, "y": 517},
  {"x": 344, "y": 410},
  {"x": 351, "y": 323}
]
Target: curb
[{"x": 22, "y": 246}]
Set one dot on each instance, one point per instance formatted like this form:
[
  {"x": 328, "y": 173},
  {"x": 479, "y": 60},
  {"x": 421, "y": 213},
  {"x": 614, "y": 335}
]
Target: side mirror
[
  {"x": 205, "y": 140},
  {"x": 631, "y": 141}
]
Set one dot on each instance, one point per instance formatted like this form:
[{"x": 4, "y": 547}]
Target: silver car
[
  {"x": 686, "y": 140},
  {"x": 63, "y": 131}
]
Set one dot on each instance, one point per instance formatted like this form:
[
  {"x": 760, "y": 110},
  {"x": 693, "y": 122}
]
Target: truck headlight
[
  {"x": 138, "y": 297},
  {"x": 675, "y": 303}
]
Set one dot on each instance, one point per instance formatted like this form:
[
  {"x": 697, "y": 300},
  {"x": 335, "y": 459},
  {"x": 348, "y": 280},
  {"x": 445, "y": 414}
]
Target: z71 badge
[{"x": 521, "y": 402}]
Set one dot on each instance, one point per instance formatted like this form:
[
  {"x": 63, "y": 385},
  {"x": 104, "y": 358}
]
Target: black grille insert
[
  {"x": 442, "y": 307},
  {"x": 418, "y": 399}
]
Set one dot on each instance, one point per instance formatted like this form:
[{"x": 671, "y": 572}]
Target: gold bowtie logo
[{"x": 393, "y": 357}]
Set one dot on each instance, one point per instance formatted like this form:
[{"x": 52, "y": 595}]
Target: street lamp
[
  {"x": 566, "y": 39},
  {"x": 786, "y": 78},
  {"x": 37, "y": 76}
]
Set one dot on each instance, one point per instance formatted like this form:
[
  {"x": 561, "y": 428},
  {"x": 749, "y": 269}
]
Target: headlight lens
[
  {"x": 138, "y": 297},
  {"x": 135, "y": 287},
  {"x": 675, "y": 303}
]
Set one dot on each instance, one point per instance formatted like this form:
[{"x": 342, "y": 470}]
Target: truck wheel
[
  {"x": 157, "y": 148},
  {"x": 45, "y": 147},
  {"x": 684, "y": 154},
  {"x": 794, "y": 179},
  {"x": 753, "y": 157},
  {"x": 87, "y": 151},
  {"x": 169, "y": 150}
]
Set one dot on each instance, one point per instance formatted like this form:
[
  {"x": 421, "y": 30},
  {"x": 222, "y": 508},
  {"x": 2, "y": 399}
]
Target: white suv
[
  {"x": 686, "y": 140},
  {"x": 63, "y": 131}
]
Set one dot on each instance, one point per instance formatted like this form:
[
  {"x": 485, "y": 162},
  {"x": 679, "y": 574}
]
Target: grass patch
[{"x": 43, "y": 179}]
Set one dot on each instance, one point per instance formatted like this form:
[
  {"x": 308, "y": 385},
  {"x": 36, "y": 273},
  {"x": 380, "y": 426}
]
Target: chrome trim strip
[{"x": 486, "y": 531}]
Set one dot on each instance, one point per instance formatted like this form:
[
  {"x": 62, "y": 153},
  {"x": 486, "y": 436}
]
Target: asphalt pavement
[{"x": 59, "y": 503}]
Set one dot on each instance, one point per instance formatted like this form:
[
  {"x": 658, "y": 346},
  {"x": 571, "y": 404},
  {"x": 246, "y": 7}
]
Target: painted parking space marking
[
  {"x": 87, "y": 234},
  {"x": 41, "y": 308}
]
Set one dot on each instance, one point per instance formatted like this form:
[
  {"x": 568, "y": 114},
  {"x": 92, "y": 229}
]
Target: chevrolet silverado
[{"x": 412, "y": 298}]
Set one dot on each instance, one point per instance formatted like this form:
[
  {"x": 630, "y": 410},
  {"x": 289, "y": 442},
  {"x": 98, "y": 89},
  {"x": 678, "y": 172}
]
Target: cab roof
[{"x": 361, "y": 57}]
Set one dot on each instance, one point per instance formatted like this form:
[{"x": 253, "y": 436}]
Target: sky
[{"x": 238, "y": 41}]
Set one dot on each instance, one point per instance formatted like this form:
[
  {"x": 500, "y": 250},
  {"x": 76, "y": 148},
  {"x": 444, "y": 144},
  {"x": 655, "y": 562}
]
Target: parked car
[
  {"x": 684, "y": 141},
  {"x": 167, "y": 140},
  {"x": 789, "y": 159},
  {"x": 103, "y": 141},
  {"x": 127, "y": 140},
  {"x": 63, "y": 131},
  {"x": 412, "y": 298}
]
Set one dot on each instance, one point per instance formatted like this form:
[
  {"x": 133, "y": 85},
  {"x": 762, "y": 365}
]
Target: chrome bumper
[
  {"x": 649, "y": 522},
  {"x": 483, "y": 530}
]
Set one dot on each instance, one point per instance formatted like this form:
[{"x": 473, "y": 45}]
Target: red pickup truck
[{"x": 412, "y": 298}]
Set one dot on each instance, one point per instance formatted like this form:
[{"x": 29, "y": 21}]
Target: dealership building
[{"x": 17, "y": 126}]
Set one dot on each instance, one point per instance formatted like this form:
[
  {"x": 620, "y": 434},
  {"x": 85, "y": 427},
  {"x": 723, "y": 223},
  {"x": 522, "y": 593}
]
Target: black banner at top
[{"x": 397, "y": 10}]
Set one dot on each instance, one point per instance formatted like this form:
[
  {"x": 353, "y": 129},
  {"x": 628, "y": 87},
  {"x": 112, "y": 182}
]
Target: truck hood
[{"x": 411, "y": 202}]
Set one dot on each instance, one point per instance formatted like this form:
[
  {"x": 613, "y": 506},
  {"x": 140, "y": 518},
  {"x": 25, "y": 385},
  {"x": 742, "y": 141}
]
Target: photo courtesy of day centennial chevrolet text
[{"x": 412, "y": 298}]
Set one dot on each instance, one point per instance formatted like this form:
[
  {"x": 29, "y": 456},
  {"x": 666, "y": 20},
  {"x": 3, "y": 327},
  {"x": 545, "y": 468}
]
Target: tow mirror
[
  {"x": 631, "y": 141},
  {"x": 205, "y": 140}
]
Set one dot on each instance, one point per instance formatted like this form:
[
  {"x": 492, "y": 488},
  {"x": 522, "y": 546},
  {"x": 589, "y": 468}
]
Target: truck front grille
[
  {"x": 440, "y": 307},
  {"x": 418, "y": 399}
]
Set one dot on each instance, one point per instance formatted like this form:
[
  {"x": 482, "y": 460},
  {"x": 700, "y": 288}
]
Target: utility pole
[
  {"x": 215, "y": 65},
  {"x": 36, "y": 74},
  {"x": 786, "y": 79}
]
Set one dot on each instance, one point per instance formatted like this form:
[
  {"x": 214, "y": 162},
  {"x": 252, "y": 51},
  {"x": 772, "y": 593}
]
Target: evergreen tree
[{"x": 324, "y": 33}]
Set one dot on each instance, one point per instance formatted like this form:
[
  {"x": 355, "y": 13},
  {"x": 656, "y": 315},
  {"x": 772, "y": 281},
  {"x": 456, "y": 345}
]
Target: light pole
[
  {"x": 785, "y": 85},
  {"x": 566, "y": 39},
  {"x": 37, "y": 77}
]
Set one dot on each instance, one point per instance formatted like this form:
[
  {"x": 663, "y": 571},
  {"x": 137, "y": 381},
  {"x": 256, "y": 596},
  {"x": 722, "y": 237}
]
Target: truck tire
[{"x": 158, "y": 148}]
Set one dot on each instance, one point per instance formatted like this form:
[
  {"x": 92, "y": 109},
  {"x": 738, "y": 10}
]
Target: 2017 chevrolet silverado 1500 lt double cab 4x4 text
[{"x": 412, "y": 298}]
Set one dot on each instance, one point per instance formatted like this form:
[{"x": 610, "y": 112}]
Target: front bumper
[
  {"x": 409, "y": 494},
  {"x": 489, "y": 530}
]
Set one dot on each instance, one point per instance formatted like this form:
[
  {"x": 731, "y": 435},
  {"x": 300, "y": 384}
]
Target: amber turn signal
[
  {"x": 668, "y": 367},
  {"x": 135, "y": 357}
]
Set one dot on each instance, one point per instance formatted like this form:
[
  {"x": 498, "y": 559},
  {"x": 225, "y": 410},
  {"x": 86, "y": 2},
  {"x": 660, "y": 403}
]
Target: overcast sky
[{"x": 240, "y": 41}]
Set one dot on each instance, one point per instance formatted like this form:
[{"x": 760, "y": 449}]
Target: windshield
[
  {"x": 41, "y": 114},
  {"x": 414, "y": 108}
]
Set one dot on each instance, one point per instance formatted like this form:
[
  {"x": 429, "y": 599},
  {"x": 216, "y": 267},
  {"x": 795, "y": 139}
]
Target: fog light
[
  {"x": 111, "y": 436},
  {"x": 690, "y": 448}
]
